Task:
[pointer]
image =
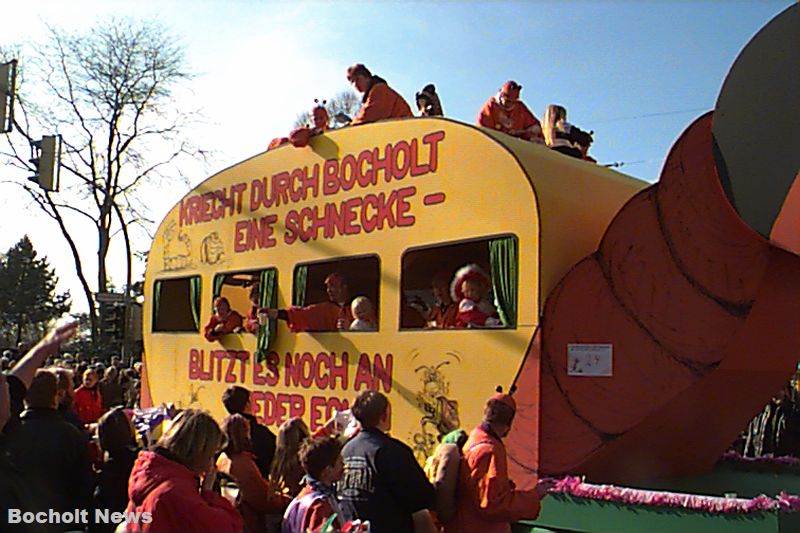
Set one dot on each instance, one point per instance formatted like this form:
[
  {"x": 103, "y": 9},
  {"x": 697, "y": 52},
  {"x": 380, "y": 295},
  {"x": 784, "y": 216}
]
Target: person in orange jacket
[
  {"x": 224, "y": 320},
  {"x": 380, "y": 101},
  {"x": 488, "y": 502},
  {"x": 507, "y": 113}
]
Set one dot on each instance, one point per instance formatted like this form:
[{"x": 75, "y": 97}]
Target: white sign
[{"x": 590, "y": 360}]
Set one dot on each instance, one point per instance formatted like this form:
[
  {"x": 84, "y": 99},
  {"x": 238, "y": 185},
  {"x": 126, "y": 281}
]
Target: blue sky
[{"x": 637, "y": 73}]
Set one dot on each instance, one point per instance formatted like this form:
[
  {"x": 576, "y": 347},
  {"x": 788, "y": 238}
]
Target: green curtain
[
  {"x": 195, "y": 295},
  {"x": 268, "y": 299},
  {"x": 219, "y": 281},
  {"x": 156, "y": 305},
  {"x": 503, "y": 259},
  {"x": 300, "y": 280}
]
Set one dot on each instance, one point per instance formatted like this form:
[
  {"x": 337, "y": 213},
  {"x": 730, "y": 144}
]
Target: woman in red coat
[
  {"x": 88, "y": 400},
  {"x": 171, "y": 485}
]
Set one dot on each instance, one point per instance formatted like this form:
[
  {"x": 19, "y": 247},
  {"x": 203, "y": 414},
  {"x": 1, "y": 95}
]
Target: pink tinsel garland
[{"x": 574, "y": 486}]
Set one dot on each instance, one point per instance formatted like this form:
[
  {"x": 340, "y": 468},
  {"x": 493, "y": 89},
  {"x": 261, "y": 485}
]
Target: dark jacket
[
  {"x": 16, "y": 493},
  {"x": 53, "y": 456},
  {"x": 112, "y": 394},
  {"x": 112, "y": 483},
  {"x": 382, "y": 483},
  {"x": 263, "y": 445},
  {"x": 70, "y": 416}
]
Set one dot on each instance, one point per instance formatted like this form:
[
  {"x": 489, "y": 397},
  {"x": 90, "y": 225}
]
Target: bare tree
[
  {"x": 346, "y": 102},
  {"x": 110, "y": 94}
]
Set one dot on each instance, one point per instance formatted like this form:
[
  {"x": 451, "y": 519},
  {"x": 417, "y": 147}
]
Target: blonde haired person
[
  {"x": 164, "y": 480},
  {"x": 364, "y": 313},
  {"x": 287, "y": 472},
  {"x": 562, "y": 136}
]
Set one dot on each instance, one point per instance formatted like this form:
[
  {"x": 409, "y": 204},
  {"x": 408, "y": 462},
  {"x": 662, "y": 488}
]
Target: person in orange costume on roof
[
  {"x": 301, "y": 136},
  {"x": 380, "y": 101},
  {"x": 335, "y": 314},
  {"x": 488, "y": 502},
  {"x": 224, "y": 320},
  {"x": 507, "y": 113}
]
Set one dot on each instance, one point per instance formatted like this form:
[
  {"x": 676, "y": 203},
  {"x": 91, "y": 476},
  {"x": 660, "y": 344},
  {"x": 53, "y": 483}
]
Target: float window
[
  {"x": 249, "y": 292},
  {"x": 176, "y": 304},
  {"x": 361, "y": 278},
  {"x": 482, "y": 272}
]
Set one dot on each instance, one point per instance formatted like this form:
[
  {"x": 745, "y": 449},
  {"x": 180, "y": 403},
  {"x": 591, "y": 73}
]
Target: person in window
[
  {"x": 335, "y": 314},
  {"x": 364, "y": 314},
  {"x": 444, "y": 310},
  {"x": 380, "y": 101},
  {"x": 251, "y": 322},
  {"x": 470, "y": 289},
  {"x": 505, "y": 112},
  {"x": 562, "y": 136},
  {"x": 224, "y": 320}
]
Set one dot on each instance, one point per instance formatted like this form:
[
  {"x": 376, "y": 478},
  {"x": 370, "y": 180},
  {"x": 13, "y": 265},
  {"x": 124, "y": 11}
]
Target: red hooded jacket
[
  {"x": 88, "y": 404},
  {"x": 171, "y": 493}
]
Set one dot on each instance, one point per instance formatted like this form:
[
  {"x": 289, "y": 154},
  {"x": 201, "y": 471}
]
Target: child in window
[
  {"x": 470, "y": 289},
  {"x": 364, "y": 315}
]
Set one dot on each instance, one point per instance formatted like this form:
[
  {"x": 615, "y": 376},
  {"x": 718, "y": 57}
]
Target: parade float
[{"x": 643, "y": 325}]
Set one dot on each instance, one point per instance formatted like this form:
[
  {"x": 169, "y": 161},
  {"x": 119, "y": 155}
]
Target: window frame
[
  {"x": 156, "y": 308},
  {"x": 376, "y": 304},
  {"x": 223, "y": 274},
  {"x": 471, "y": 240}
]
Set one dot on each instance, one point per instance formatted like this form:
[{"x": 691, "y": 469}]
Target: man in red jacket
[
  {"x": 88, "y": 399},
  {"x": 380, "y": 101},
  {"x": 488, "y": 501},
  {"x": 333, "y": 315},
  {"x": 505, "y": 112}
]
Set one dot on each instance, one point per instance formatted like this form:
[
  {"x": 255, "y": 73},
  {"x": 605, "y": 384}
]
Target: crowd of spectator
[{"x": 349, "y": 474}]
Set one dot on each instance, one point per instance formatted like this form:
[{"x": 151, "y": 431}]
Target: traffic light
[
  {"x": 8, "y": 76},
  {"x": 112, "y": 321},
  {"x": 46, "y": 157}
]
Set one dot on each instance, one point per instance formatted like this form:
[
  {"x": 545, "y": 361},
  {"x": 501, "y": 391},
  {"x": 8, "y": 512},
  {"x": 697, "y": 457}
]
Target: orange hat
[
  {"x": 319, "y": 114},
  {"x": 511, "y": 88},
  {"x": 507, "y": 399}
]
